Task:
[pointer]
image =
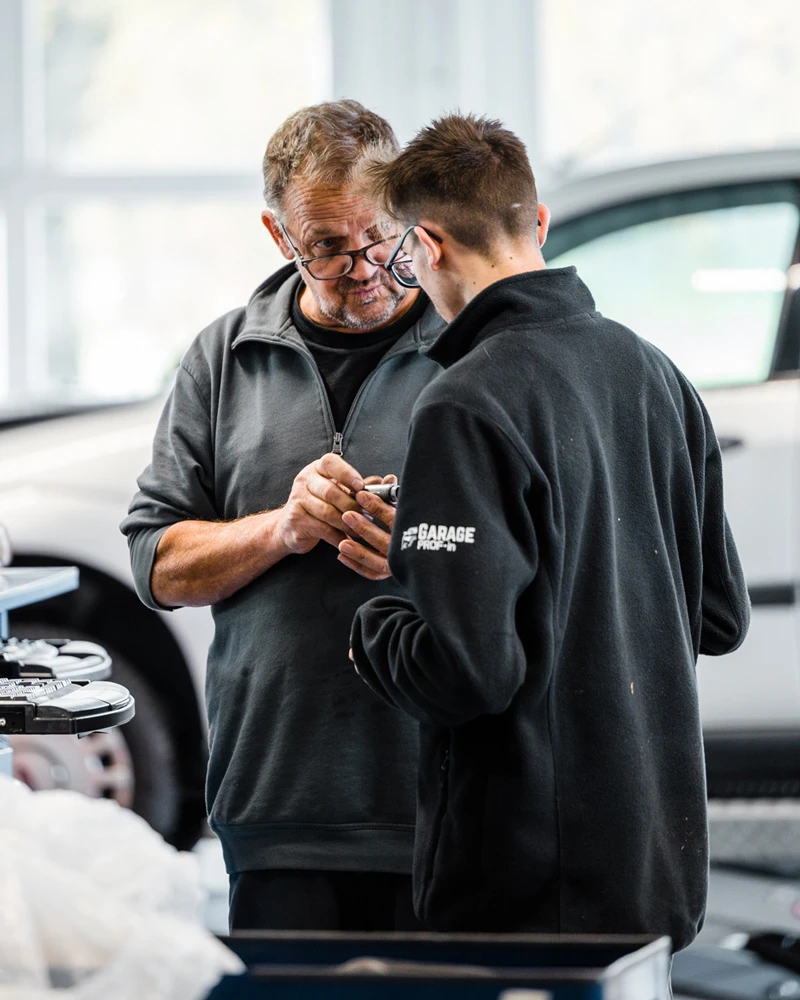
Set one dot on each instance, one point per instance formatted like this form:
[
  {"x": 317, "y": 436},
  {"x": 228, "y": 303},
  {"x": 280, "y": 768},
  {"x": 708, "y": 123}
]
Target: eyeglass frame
[
  {"x": 392, "y": 261},
  {"x": 352, "y": 254}
]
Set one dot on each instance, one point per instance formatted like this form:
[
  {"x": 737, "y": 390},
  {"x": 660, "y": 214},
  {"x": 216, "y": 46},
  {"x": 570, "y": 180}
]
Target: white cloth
[{"x": 94, "y": 905}]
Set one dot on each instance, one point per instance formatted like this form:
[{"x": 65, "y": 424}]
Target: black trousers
[{"x": 325, "y": 901}]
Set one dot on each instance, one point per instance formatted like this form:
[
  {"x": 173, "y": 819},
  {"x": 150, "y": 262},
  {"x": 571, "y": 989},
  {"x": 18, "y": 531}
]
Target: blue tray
[
  {"x": 285, "y": 965},
  {"x": 20, "y": 586}
]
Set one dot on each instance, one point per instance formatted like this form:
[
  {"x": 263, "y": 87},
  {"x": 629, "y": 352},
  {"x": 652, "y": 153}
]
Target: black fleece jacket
[{"x": 563, "y": 546}]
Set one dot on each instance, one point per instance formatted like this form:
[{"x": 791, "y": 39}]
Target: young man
[
  {"x": 564, "y": 554},
  {"x": 311, "y": 779}
]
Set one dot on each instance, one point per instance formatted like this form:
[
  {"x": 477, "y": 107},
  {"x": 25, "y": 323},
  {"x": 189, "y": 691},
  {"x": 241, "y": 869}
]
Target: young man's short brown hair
[
  {"x": 326, "y": 144},
  {"x": 470, "y": 174}
]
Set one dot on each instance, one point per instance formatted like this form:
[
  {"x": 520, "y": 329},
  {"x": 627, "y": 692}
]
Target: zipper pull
[{"x": 337, "y": 443}]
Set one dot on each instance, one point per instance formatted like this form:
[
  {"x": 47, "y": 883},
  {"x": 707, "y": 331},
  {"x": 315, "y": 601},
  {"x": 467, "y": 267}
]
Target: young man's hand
[{"x": 366, "y": 554}]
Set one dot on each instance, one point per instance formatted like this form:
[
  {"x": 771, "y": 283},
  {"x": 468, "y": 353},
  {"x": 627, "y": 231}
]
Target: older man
[{"x": 311, "y": 781}]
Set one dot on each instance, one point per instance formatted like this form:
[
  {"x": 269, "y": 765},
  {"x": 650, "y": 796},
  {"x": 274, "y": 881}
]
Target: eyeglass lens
[
  {"x": 403, "y": 270},
  {"x": 338, "y": 264}
]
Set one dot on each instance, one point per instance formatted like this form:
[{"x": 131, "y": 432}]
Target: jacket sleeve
[
  {"x": 463, "y": 549},
  {"x": 178, "y": 485},
  {"x": 725, "y": 601}
]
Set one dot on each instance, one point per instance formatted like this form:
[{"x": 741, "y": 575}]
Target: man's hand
[
  {"x": 370, "y": 558},
  {"x": 321, "y": 493},
  {"x": 204, "y": 562}
]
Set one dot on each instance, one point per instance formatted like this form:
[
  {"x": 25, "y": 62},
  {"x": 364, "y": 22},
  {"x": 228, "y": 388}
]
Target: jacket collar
[
  {"x": 527, "y": 300},
  {"x": 268, "y": 317}
]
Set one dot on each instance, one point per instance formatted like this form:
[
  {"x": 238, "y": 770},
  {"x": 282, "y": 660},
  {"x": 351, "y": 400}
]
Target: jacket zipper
[
  {"x": 362, "y": 389},
  {"x": 365, "y": 384},
  {"x": 338, "y": 436}
]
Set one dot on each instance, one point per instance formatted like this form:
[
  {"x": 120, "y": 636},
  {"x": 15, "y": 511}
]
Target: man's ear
[
  {"x": 543, "y": 224},
  {"x": 276, "y": 233},
  {"x": 433, "y": 248}
]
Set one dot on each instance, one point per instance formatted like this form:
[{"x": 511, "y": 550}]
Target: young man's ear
[
  {"x": 276, "y": 233},
  {"x": 433, "y": 248},
  {"x": 542, "y": 224}
]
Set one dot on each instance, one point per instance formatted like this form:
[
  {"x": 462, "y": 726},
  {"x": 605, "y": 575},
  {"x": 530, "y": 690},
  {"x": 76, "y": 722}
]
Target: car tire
[
  {"x": 150, "y": 745},
  {"x": 156, "y": 788}
]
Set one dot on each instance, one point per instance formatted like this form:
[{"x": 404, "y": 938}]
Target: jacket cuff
[
  {"x": 143, "y": 545},
  {"x": 362, "y": 662}
]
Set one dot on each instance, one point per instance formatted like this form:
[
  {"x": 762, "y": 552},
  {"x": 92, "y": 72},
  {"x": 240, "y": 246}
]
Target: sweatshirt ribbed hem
[{"x": 348, "y": 847}]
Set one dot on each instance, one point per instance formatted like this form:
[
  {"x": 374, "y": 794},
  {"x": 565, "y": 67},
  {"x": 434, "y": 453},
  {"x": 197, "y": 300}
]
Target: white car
[{"x": 701, "y": 257}]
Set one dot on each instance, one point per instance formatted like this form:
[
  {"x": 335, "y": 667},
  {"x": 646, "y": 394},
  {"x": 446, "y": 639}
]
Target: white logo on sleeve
[{"x": 437, "y": 536}]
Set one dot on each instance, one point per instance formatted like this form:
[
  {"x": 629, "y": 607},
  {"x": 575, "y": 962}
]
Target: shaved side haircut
[{"x": 470, "y": 174}]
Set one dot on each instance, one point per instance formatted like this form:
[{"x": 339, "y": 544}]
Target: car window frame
[{"x": 581, "y": 229}]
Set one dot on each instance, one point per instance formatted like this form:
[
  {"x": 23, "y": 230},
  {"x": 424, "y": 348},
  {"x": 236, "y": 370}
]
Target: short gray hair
[{"x": 324, "y": 143}]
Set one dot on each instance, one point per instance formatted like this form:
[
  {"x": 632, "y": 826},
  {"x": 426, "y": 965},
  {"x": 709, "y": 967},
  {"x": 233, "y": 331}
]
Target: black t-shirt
[{"x": 346, "y": 359}]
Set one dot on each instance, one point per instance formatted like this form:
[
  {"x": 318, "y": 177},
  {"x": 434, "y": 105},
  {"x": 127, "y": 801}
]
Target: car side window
[{"x": 707, "y": 287}]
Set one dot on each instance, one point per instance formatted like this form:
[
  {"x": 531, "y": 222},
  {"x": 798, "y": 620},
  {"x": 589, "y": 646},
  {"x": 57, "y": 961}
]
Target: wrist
[{"x": 272, "y": 538}]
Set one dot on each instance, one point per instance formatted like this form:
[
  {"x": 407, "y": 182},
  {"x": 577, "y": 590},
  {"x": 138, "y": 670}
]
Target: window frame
[{"x": 582, "y": 229}]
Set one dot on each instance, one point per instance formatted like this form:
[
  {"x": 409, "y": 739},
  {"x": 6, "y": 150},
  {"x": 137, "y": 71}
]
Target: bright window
[
  {"x": 131, "y": 187},
  {"x": 628, "y": 82},
  {"x": 172, "y": 84},
  {"x": 132, "y": 282}
]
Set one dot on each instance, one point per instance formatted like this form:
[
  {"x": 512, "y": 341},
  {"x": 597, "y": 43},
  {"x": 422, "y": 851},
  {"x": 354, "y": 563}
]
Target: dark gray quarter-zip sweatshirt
[
  {"x": 564, "y": 553},
  {"x": 308, "y": 768}
]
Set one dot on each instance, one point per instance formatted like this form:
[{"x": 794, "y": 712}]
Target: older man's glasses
[
  {"x": 336, "y": 265},
  {"x": 400, "y": 265}
]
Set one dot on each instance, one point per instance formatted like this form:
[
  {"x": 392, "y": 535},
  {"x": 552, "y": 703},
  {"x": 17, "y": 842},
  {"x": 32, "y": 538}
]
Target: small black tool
[
  {"x": 781, "y": 949},
  {"x": 388, "y": 492},
  {"x": 725, "y": 974}
]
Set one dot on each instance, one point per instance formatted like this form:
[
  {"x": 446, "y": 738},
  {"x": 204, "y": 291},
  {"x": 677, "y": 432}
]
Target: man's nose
[{"x": 362, "y": 269}]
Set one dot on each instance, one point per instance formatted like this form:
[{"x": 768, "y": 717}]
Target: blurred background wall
[{"x": 131, "y": 135}]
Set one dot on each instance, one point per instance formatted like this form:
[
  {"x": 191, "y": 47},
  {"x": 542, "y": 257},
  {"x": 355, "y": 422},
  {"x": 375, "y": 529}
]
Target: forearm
[
  {"x": 202, "y": 562},
  {"x": 725, "y": 601},
  {"x": 437, "y": 676},
  {"x": 449, "y": 649}
]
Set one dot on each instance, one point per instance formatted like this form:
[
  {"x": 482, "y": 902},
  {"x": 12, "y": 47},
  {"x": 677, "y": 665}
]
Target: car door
[{"x": 709, "y": 276}]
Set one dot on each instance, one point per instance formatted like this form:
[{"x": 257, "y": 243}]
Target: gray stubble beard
[{"x": 346, "y": 318}]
